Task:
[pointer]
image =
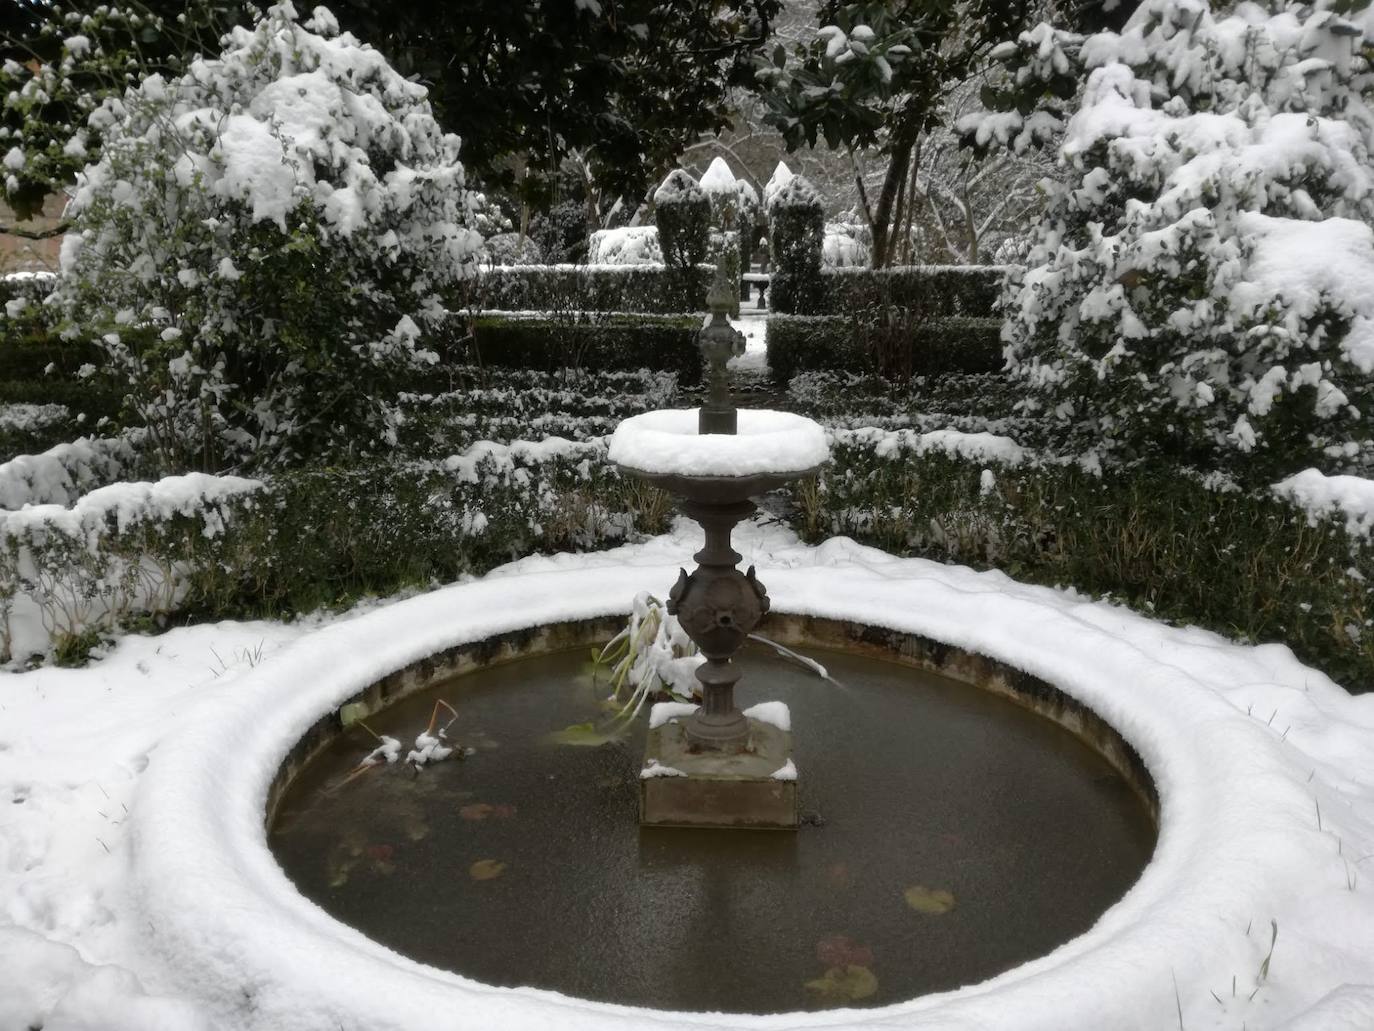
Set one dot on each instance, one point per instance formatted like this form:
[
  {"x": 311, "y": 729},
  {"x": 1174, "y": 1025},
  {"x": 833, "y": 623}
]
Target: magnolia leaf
[
  {"x": 486, "y": 869},
  {"x": 845, "y": 984},
  {"x": 352, "y": 713},
  {"x": 928, "y": 900}
]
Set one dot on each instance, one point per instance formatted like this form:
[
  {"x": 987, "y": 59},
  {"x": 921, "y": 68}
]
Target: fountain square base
[{"x": 683, "y": 787}]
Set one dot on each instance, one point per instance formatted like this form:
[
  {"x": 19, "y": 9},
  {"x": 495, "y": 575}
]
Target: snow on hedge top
[
  {"x": 719, "y": 178},
  {"x": 629, "y": 245},
  {"x": 1322, "y": 496},
  {"x": 797, "y": 192},
  {"x": 667, "y": 442},
  {"x": 678, "y": 187},
  {"x": 295, "y": 114},
  {"x": 782, "y": 175}
]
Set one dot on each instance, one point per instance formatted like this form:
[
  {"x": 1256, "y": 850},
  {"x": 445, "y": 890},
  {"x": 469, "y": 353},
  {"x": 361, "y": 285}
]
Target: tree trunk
[{"x": 882, "y": 220}]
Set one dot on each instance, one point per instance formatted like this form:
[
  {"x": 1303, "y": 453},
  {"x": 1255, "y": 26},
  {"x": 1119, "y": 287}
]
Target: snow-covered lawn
[{"x": 136, "y": 890}]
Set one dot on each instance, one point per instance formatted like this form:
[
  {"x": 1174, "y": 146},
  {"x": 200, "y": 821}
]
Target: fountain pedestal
[{"x": 719, "y": 788}]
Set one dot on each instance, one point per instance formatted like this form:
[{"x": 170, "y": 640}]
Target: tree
[
  {"x": 621, "y": 85},
  {"x": 1201, "y": 288},
  {"x": 262, "y": 244},
  {"x": 874, "y": 77},
  {"x": 58, "y": 63}
]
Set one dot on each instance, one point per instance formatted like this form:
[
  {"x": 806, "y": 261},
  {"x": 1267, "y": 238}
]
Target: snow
[
  {"x": 774, "y": 713},
  {"x": 719, "y": 179},
  {"x": 667, "y": 442},
  {"x": 629, "y": 245},
  {"x": 676, "y": 187},
  {"x": 654, "y": 768},
  {"x": 666, "y": 712},
  {"x": 167, "y": 744},
  {"x": 787, "y": 771},
  {"x": 782, "y": 175},
  {"x": 1322, "y": 496}
]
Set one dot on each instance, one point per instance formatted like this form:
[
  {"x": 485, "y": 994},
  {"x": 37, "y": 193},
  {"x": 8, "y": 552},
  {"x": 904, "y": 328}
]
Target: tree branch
[{"x": 35, "y": 234}]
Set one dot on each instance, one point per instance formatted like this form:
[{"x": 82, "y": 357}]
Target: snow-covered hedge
[
  {"x": 628, "y": 245},
  {"x": 120, "y": 550},
  {"x": 1202, "y": 286},
  {"x": 796, "y": 237},
  {"x": 1251, "y": 563},
  {"x": 62, "y": 474},
  {"x": 287, "y": 216},
  {"x": 682, "y": 213},
  {"x": 650, "y": 289},
  {"x": 890, "y": 344}
]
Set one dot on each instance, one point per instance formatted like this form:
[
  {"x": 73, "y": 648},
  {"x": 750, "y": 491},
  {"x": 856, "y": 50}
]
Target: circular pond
[{"x": 950, "y": 835}]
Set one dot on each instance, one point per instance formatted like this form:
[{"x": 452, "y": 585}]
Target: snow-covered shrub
[
  {"x": 511, "y": 249},
  {"x": 722, "y": 190},
  {"x": 1202, "y": 286},
  {"x": 264, "y": 243},
  {"x": 682, "y": 213},
  {"x": 844, "y": 245},
  {"x": 796, "y": 236},
  {"x": 628, "y": 245}
]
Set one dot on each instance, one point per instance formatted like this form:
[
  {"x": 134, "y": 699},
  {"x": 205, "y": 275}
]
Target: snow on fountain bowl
[{"x": 768, "y": 449}]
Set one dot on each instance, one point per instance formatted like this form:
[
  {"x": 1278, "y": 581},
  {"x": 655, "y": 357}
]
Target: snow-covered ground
[{"x": 136, "y": 890}]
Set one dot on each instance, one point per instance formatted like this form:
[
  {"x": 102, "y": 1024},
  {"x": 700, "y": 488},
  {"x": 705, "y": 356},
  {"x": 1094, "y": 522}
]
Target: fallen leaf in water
[
  {"x": 928, "y": 900},
  {"x": 486, "y": 869},
  {"x": 503, "y": 811},
  {"x": 353, "y": 712},
  {"x": 416, "y": 828},
  {"x": 844, "y": 984},
  {"x": 475, "y": 811},
  {"x": 840, "y": 950},
  {"x": 382, "y": 853}
]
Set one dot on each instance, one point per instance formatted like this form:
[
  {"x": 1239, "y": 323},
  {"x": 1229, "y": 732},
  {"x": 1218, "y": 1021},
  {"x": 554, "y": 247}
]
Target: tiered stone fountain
[{"x": 719, "y": 768}]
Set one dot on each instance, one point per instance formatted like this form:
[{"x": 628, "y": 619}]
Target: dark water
[{"x": 960, "y": 836}]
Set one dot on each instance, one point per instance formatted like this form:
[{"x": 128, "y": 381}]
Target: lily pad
[
  {"x": 586, "y": 735},
  {"x": 844, "y": 984},
  {"x": 353, "y": 712},
  {"x": 486, "y": 869},
  {"x": 928, "y": 900}
]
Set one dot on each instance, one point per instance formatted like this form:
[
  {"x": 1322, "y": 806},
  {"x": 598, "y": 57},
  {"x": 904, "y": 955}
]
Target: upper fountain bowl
[{"x": 769, "y": 449}]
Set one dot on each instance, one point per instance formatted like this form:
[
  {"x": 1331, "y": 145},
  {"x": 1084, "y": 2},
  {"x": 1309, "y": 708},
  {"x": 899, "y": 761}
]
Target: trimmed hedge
[
  {"x": 617, "y": 343},
  {"x": 1245, "y": 564},
  {"x": 933, "y": 290},
  {"x": 640, "y": 289},
  {"x": 893, "y": 345}
]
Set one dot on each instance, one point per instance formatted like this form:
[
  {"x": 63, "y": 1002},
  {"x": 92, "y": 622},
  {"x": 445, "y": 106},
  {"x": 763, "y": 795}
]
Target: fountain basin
[
  {"x": 225, "y": 918},
  {"x": 768, "y": 449}
]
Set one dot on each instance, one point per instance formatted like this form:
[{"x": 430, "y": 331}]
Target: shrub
[
  {"x": 796, "y": 235},
  {"x": 1202, "y": 286},
  {"x": 1240, "y": 562},
  {"x": 285, "y": 217},
  {"x": 682, "y": 213}
]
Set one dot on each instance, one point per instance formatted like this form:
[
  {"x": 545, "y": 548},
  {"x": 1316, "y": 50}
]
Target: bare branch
[{"x": 35, "y": 234}]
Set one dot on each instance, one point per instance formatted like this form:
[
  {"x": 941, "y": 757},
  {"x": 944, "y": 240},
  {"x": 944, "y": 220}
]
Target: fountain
[
  {"x": 719, "y": 767},
  {"x": 964, "y": 816}
]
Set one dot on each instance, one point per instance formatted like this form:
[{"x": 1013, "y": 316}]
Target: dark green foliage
[
  {"x": 611, "y": 343},
  {"x": 1243, "y": 564},
  {"x": 796, "y": 234},
  {"x": 890, "y": 344},
  {"x": 684, "y": 229},
  {"x": 648, "y": 289},
  {"x": 327, "y": 537},
  {"x": 940, "y": 290}
]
